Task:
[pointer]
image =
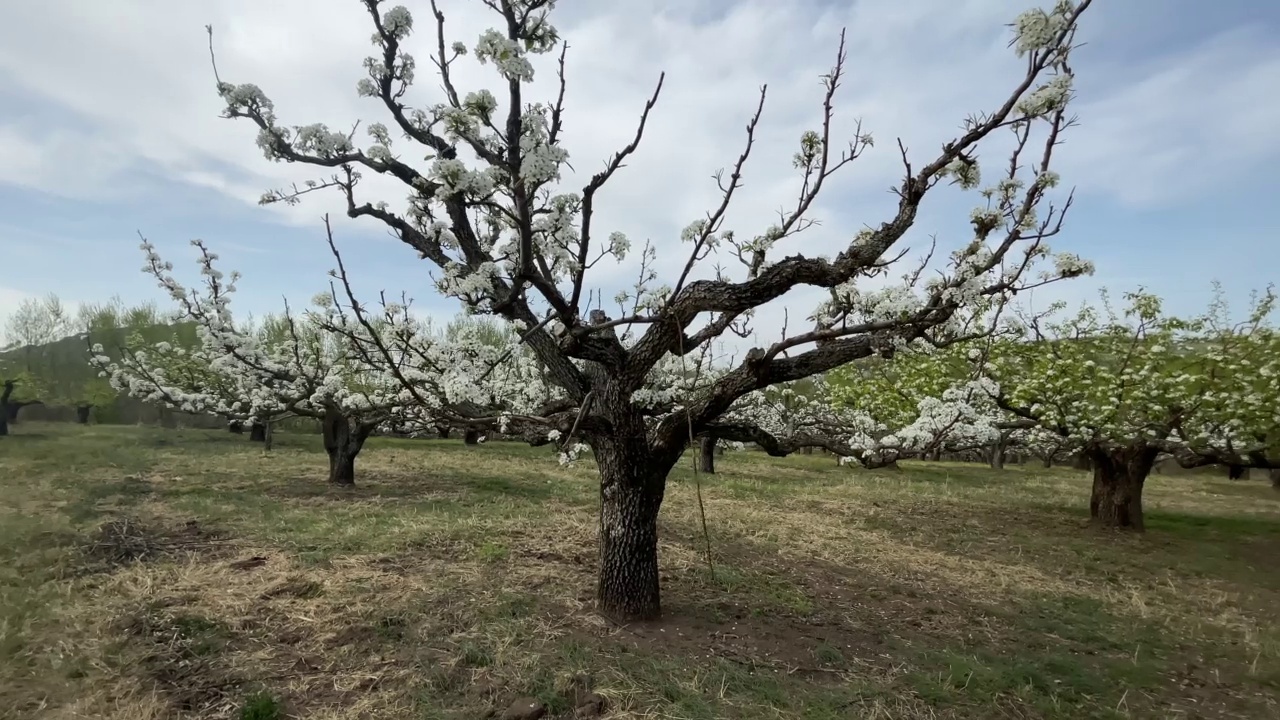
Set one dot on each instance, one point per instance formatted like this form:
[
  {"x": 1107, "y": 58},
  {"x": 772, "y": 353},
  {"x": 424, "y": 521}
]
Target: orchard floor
[{"x": 149, "y": 574}]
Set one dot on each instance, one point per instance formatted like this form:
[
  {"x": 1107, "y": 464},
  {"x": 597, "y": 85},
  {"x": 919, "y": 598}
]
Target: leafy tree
[
  {"x": 922, "y": 403},
  {"x": 1128, "y": 386},
  {"x": 490, "y": 213},
  {"x": 37, "y": 321}
]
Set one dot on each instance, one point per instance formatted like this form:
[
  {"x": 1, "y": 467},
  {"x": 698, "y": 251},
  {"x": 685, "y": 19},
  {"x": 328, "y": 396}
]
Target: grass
[{"x": 151, "y": 574}]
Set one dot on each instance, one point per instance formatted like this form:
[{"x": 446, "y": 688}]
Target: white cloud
[
  {"x": 138, "y": 72},
  {"x": 64, "y": 162},
  {"x": 1182, "y": 124}
]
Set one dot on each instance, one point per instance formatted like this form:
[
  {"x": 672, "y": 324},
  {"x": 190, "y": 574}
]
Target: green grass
[{"x": 154, "y": 574}]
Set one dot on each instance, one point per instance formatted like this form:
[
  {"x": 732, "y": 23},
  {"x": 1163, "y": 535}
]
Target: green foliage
[
  {"x": 891, "y": 391},
  {"x": 261, "y": 706},
  {"x": 1140, "y": 373}
]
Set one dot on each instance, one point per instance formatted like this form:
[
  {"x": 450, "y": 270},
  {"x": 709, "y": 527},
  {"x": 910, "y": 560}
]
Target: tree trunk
[
  {"x": 996, "y": 457},
  {"x": 12, "y": 409},
  {"x": 257, "y": 432},
  {"x": 1081, "y": 461},
  {"x": 343, "y": 438},
  {"x": 1235, "y": 472},
  {"x": 935, "y": 455},
  {"x": 707, "y": 455},
  {"x": 1048, "y": 462},
  {"x": 632, "y": 484},
  {"x": 236, "y": 427},
  {"x": 1118, "y": 477},
  {"x": 1274, "y": 474},
  {"x": 82, "y": 414},
  {"x": 442, "y": 431},
  {"x": 471, "y": 437},
  {"x": 268, "y": 436},
  {"x": 4, "y": 406}
]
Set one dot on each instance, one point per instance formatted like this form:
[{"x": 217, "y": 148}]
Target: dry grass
[{"x": 179, "y": 574}]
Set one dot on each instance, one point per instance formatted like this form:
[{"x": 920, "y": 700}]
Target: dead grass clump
[{"x": 126, "y": 540}]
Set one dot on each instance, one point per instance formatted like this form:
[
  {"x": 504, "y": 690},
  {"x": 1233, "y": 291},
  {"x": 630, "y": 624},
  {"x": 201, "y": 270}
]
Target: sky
[{"x": 111, "y": 129}]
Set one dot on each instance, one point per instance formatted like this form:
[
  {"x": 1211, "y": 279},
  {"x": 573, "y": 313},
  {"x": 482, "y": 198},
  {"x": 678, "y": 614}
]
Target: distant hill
[{"x": 58, "y": 374}]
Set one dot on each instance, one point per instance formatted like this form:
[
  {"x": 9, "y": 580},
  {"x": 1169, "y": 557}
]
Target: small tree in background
[
  {"x": 289, "y": 365},
  {"x": 36, "y": 322},
  {"x": 350, "y": 371}
]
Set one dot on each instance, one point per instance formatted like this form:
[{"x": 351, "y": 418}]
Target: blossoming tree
[
  {"x": 801, "y": 415},
  {"x": 490, "y": 211},
  {"x": 292, "y": 367},
  {"x": 471, "y": 375},
  {"x": 930, "y": 402},
  {"x": 922, "y": 403},
  {"x": 1126, "y": 386}
]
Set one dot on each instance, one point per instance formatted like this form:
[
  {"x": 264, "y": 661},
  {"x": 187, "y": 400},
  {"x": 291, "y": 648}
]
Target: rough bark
[
  {"x": 236, "y": 427},
  {"x": 935, "y": 455},
  {"x": 343, "y": 439},
  {"x": 443, "y": 431},
  {"x": 1235, "y": 472},
  {"x": 471, "y": 437},
  {"x": 268, "y": 436},
  {"x": 1118, "y": 478},
  {"x": 82, "y": 414},
  {"x": 707, "y": 455},
  {"x": 1274, "y": 474},
  {"x": 632, "y": 485},
  {"x": 1047, "y": 462},
  {"x": 257, "y": 432}
]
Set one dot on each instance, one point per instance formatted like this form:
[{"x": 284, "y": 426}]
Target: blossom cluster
[
  {"x": 1056, "y": 382},
  {"x": 1206, "y": 385},
  {"x": 319, "y": 361}
]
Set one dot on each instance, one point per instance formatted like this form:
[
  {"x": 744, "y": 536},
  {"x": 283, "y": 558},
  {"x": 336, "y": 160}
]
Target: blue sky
[{"x": 118, "y": 133}]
